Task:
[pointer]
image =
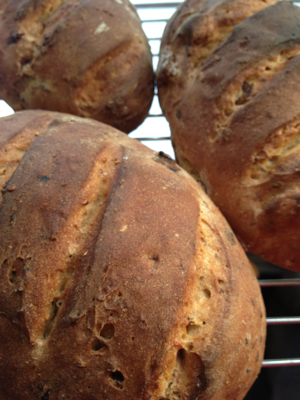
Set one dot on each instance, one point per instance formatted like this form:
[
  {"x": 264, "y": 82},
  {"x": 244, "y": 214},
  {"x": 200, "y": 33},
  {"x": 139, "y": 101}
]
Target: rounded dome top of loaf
[
  {"x": 227, "y": 81},
  {"x": 119, "y": 277},
  {"x": 89, "y": 58}
]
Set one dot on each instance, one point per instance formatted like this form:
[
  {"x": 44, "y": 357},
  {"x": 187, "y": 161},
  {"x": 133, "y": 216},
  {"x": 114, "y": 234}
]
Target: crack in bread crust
[
  {"x": 191, "y": 375},
  {"x": 13, "y": 149},
  {"x": 273, "y": 158},
  {"x": 79, "y": 227},
  {"x": 32, "y": 29},
  {"x": 91, "y": 200},
  {"x": 191, "y": 366},
  {"x": 246, "y": 86},
  {"x": 194, "y": 33},
  {"x": 102, "y": 81},
  {"x": 46, "y": 9}
]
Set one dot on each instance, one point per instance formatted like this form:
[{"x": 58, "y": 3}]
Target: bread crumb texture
[
  {"x": 88, "y": 58},
  {"x": 227, "y": 81},
  {"x": 119, "y": 278}
]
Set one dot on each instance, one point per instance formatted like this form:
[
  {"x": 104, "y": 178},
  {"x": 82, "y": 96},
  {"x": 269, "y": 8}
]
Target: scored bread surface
[
  {"x": 119, "y": 278},
  {"x": 88, "y": 58},
  {"x": 235, "y": 120}
]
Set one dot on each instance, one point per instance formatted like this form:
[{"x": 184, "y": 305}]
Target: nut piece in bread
[
  {"x": 235, "y": 117},
  {"x": 85, "y": 57},
  {"x": 120, "y": 279}
]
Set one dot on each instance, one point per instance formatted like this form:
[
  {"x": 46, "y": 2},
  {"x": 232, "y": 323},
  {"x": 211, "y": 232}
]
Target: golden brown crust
[
  {"x": 119, "y": 278},
  {"x": 88, "y": 58},
  {"x": 238, "y": 131}
]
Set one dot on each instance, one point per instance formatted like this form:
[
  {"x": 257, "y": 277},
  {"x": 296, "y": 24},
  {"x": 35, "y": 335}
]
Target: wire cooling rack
[{"x": 155, "y": 133}]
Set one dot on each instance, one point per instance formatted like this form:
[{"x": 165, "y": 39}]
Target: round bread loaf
[
  {"x": 232, "y": 100},
  {"x": 120, "y": 280},
  {"x": 85, "y": 57}
]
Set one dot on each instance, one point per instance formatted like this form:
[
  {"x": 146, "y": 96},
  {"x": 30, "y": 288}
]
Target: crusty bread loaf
[
  {"x": 85, "y": 57},
  {"x": 120, "y": 280},
  {"x": 235, "y": 117}
]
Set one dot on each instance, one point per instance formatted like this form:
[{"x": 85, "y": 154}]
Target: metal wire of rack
[{"x": 154, "y": 13}]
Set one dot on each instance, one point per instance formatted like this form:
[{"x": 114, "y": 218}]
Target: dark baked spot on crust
[
  {"x": 244, "y": 42},
  {"x": 47, "y": 41},
  {"x": 14, "y": 37},
  {"x": 117, "y": 379},
  {"x": 167, "y": 161},
  {"x": 12, "y": 217},
  {"x": 154, "y": 257},
  {"x": 12, "y": 276},
  {"x": 43, "y": 178},
  {"x": 46, "y": 395},
  {"x": 16, "y": 270},
  {"x": 26, "y": 61},
  {"x": 246, "y": 93},
  {"x": 230, "y": 237},
  {"x": 166, "y": 156}
]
